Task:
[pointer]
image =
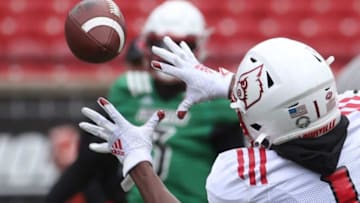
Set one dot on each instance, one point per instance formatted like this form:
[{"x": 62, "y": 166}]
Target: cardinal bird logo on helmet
[{"x": 249, "y": 87}]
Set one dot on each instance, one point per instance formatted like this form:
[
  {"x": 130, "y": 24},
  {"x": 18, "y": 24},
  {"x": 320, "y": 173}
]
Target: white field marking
[{"x": 105, "y": 21}]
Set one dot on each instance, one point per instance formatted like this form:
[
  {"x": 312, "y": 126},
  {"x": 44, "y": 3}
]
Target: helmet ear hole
[
  {"x": 270, "y": 81},
  {"x": 256, "y": 126},
  {"x": 253, "y": 60}
]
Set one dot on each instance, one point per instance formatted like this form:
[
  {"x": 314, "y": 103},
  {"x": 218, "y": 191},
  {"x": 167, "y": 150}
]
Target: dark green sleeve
[
  {"x": 119, "y": 95},
  {"x": 117, "y": 90}
]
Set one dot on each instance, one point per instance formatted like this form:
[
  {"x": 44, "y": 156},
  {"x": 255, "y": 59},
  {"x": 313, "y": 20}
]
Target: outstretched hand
[
  {"x": 130, "y": 144},
  {"x": 202, "y": 83}
]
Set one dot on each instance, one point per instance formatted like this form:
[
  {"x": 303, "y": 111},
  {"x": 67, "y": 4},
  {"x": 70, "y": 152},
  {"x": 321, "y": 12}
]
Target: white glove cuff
[
  {"x": 127, "y": 183},
  {"x": 134, "y": 158}
]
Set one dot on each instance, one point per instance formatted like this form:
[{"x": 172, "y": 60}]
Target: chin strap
[
  {"x": 238, "y": 105},
  {"x": 262, "y": 141}
]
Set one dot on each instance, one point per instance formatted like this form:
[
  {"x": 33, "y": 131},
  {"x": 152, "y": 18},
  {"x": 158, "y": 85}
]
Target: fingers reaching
[
  {"x": 164, "y": 54},
  {"x": 181, "y": 114},
  {"x": 94, "y": 130},
  {"x": 112, "y": 112},
  {"x": 100, "y": 147},
  {"x": 173, "y": 46},
  {"x": 97, "y": 118},
  {"x": 186, "y": 48},
  {"x": 184, "y": 108},
  {"x": 155, "y": 119},
  {"x": 166, "y": 68},
  {"x": 130, "y": 144}
]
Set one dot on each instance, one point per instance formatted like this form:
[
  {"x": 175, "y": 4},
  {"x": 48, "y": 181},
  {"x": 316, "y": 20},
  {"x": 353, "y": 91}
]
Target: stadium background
[{"x": 42, "y": 84}]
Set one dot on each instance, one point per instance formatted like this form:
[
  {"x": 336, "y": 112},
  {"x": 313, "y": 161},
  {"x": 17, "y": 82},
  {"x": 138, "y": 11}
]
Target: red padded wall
[{"x": 33, "y": 45}]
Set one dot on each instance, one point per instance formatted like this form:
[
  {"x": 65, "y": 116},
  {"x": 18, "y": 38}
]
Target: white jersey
[{"x": 259, "y": 175}]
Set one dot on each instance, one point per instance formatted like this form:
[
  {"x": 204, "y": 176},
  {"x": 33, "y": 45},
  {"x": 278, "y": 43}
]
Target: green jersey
[{"x": 183, "y": 153}]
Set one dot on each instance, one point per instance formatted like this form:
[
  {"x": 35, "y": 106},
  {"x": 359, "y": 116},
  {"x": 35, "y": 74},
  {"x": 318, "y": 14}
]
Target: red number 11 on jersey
[{"x": 342, "y": 186}]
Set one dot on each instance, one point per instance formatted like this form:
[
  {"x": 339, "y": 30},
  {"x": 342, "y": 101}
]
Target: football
[{"x": 95, "y": 30}]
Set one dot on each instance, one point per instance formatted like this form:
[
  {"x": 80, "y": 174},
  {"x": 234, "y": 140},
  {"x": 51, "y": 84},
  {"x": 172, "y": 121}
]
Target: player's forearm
[{"x": 149, "y": 184}]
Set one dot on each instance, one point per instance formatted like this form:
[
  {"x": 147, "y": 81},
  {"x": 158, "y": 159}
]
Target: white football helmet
[
  {"x": 285, "y": 90},
  {"x": 180, "y": 20},
  {"x": 176, "y": 17}
]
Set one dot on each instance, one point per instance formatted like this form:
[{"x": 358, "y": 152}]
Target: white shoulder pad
[{"x": 139, "y": 82}]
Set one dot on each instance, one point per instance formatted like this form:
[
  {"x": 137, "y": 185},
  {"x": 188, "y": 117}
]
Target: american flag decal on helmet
[{"x": 297, "y": 111}]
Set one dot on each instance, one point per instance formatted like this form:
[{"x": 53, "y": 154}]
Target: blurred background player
[
  {"x": 90, "y": 178},
  {"x": 64, "y": 142},
  {"x": 208, "y": 129}
]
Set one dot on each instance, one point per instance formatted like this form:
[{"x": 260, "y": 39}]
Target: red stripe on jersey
[
  {"x": 347, "y": 105},
  {"x": 251, "y": 166},
  {"x": 349, "y": 108},
  {"x": 263, "y": 177},
  {"x": 240, "y": 158},
  {"x": 345, "y": 100},
  {"x": 351, "y": 105},
  {"x": 346, "y": 109}
]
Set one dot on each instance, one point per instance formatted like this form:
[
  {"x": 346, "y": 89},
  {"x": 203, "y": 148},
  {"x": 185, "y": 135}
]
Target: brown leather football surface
[{"x": 95, "y": 30}]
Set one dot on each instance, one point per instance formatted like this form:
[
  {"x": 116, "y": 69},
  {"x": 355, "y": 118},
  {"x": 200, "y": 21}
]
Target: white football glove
[
  {"x": 130, "y": 144},
  {"x": 203, "y": 83}
]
